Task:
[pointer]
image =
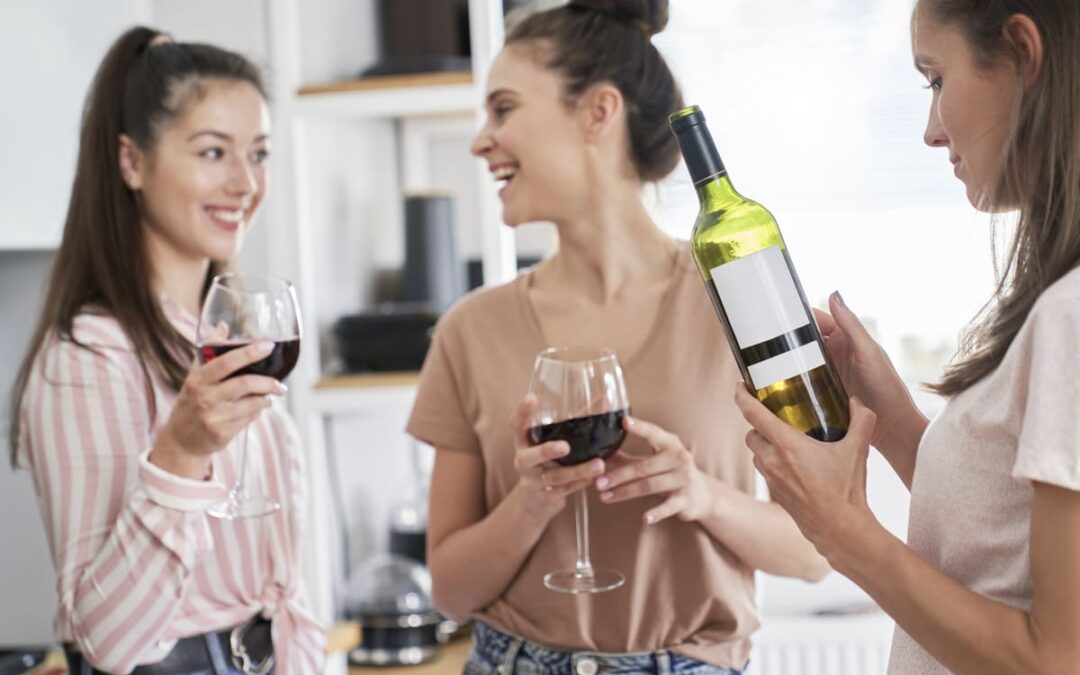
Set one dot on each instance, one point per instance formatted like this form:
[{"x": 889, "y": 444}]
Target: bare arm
[
  {"x": 474, "y": 554},
  {"x": 760, "y": 533},
  {"x": 965, "y": 631},
  {"x": 463, "y": 538}
]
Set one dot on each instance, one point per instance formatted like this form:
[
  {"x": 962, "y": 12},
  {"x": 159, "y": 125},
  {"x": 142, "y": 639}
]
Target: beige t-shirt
[
  {"x": 685, "y": 591},
  {"x": 972, "y": 490}
]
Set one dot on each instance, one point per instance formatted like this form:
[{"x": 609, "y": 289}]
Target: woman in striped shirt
[{"x": 127, "y": 437}]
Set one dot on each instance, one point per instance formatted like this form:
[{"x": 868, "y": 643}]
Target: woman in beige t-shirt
[
  {"x": 577, "y": 104},
  {"x": 989, "y": 581}
]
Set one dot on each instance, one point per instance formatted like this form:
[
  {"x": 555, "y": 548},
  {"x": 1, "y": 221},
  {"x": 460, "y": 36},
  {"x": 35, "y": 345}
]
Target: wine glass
[
  {"x": 241, "y": 309},
  {"x": 581, "y": 399}
]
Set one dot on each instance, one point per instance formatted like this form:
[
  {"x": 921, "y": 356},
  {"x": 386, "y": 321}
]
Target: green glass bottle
[{"x": 757, "y": 295}]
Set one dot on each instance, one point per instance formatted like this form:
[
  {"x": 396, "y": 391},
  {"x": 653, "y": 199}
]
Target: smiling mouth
[
  {"x": 504, "y": 174},
  {"x": 228, "y": 218}
]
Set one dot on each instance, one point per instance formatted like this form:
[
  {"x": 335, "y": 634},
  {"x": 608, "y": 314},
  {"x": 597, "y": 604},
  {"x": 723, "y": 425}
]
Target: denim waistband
[{"x": 505, "y": 654}]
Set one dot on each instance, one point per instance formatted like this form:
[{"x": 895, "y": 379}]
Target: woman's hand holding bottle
[{"x": 868, "y": 373}]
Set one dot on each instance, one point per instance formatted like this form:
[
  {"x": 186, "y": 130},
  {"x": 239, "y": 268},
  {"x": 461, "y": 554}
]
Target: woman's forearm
[
  {"x": 761, "y": 534},
  {"x": 472, "y": 567},
  {"x": 966, "y": 632}
]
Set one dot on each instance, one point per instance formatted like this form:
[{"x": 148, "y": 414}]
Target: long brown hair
[
  {"x": 593, "y": 41},
  {"x": 1041, "y": 175},
  {"x": 102, "y": 264}
]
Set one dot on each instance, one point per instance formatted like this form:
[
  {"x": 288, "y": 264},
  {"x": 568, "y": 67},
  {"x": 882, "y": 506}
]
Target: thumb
[
  {"x": 863, "y": 420},
  {"x": 849, "y": 322}
]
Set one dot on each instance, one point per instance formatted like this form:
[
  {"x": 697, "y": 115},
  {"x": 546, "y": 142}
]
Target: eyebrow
[
  {"x": 923, "y": 63},
  {"x": 497, "y": 93},
  {"x": 223, "y": 136}
]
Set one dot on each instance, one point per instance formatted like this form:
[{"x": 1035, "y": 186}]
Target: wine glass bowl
[
  {"x": 241, "y": 309},
  {"x": 581, "y": 399}
]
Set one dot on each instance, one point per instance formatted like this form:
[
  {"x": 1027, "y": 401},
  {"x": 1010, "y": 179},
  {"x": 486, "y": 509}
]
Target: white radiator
[{"x": 834, "y": 645}]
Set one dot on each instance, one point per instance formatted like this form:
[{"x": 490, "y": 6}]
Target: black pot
[{"x": 399, "y": 639}]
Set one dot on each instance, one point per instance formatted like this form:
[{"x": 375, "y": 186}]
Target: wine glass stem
[
  {"x": 238, "y": 489},
  {"x": 583, "y": 567}
]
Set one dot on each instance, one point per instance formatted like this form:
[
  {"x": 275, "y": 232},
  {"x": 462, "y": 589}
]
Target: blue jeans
[{"x": 496, "y": 653}]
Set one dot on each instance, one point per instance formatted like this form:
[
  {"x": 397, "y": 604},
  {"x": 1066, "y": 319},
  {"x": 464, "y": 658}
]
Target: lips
[{"x": 228, "y": 218}]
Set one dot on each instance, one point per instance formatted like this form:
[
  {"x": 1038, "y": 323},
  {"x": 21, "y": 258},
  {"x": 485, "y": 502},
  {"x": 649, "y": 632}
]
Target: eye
[
  {"x": 501, "y": 110},
  {"x": 935, "y": 83},
  {"x": 212, "y": 153},
  {"x": 260, "y": 156}
]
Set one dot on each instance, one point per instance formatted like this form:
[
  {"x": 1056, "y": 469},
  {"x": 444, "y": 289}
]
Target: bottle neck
[{"x": 717, "y": 193}]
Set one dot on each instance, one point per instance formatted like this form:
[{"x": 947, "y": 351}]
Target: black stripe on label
[{"x": 781, "y": 344}]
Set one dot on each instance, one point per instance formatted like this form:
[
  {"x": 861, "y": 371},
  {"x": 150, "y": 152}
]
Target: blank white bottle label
[{"x": 767, "y": 316}]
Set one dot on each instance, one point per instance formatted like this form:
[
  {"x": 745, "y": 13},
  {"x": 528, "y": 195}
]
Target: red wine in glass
[
  {"x": 241, "y": 309},
  {"x": 278, "y": 364},
  {"x": 589, "y": 437},
  {"x": 581, "y": 399}
]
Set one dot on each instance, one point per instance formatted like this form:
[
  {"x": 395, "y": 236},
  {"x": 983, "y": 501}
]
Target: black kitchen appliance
[
  {"x": 395, "y": 336},
  {"x": 390, "y": 597}
]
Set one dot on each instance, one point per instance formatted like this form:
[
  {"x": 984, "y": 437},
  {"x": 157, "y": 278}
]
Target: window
[{"x": 819, "y": 114}]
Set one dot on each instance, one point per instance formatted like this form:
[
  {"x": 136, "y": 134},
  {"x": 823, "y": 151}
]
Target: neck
[
  {"x": 610, "y": 245},
  {"x": 178, "y": 276}
]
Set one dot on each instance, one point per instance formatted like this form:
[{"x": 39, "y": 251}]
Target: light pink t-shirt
[{"x": 972, "y": 490}]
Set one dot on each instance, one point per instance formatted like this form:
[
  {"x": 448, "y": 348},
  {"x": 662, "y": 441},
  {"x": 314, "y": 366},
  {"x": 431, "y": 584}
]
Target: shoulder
[
  {"x": 97, "y": 340},
  {"x": 1061, "y": 296},
  {"x": 98, "y": 328}
]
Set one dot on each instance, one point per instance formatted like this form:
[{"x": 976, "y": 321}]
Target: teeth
[
  {"x": 504, "y": 172},
  {"x": 228, "y": 216}
]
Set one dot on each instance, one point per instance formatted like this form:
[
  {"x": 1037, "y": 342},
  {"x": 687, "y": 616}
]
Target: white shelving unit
[{"x": 303, "y": 113}]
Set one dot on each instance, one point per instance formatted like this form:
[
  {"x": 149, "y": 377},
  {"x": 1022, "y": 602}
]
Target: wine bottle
[{"x": 749, "y": 276}]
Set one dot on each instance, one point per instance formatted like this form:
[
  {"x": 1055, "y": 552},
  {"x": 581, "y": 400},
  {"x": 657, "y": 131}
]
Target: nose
[
  {"x": 934, "y": 136},
  {"x": 482, "y": 142},
  {"x": 242, "y": 178}
]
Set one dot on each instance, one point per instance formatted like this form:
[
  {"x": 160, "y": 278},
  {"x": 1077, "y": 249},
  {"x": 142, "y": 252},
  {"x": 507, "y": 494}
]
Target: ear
[
  {"x": 600, "y": 107},
  {"x": 132, "y": 163},
  {"x": 1023, "y": 34}
]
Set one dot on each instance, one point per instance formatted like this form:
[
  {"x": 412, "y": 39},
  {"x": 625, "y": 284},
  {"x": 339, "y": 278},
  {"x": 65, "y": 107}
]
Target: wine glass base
[
  {"x": 248, "y": 507},
  {"x": 573, "y": 581}
]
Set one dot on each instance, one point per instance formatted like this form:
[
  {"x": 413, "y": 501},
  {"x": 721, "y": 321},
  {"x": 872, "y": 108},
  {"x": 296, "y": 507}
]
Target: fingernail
[
  {"x": 282, "y": 387},
  {"x": 650, "y": 519},
  {"x": 561, "y": 448},
  {"x": 630, "y": 421},
  {"x": 840, "y": 300},
  {"x": 264, "y": 346},
  {"x": 596, "y": 468},
  {"x": 602, "y": 482},
  {"x": 606, "y": 496}
]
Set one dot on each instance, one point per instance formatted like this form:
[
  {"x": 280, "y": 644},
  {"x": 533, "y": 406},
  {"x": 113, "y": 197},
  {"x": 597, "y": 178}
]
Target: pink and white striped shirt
[{"x": 139, "y": 564}]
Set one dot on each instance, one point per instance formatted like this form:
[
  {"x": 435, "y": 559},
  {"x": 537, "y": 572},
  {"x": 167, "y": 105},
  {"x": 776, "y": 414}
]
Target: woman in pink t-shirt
[
  {"x": 127, "y": 438},
  {"x": 989, "y": 581}
]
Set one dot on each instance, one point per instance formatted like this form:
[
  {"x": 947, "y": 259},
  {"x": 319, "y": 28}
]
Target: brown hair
[
  {"x": 1041, "y": 175},
  {"x": 610, "y": 41},
  {"x": 102, "y": 263}
]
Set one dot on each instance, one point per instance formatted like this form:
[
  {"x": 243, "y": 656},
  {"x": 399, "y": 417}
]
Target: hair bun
[{"x": 650, "y": 15}]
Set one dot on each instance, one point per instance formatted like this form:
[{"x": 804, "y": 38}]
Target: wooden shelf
[
  {"x": 367, "y": 380},
  {"x": 423, "y": 94},
  {"x": 388, "y": 82}
]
